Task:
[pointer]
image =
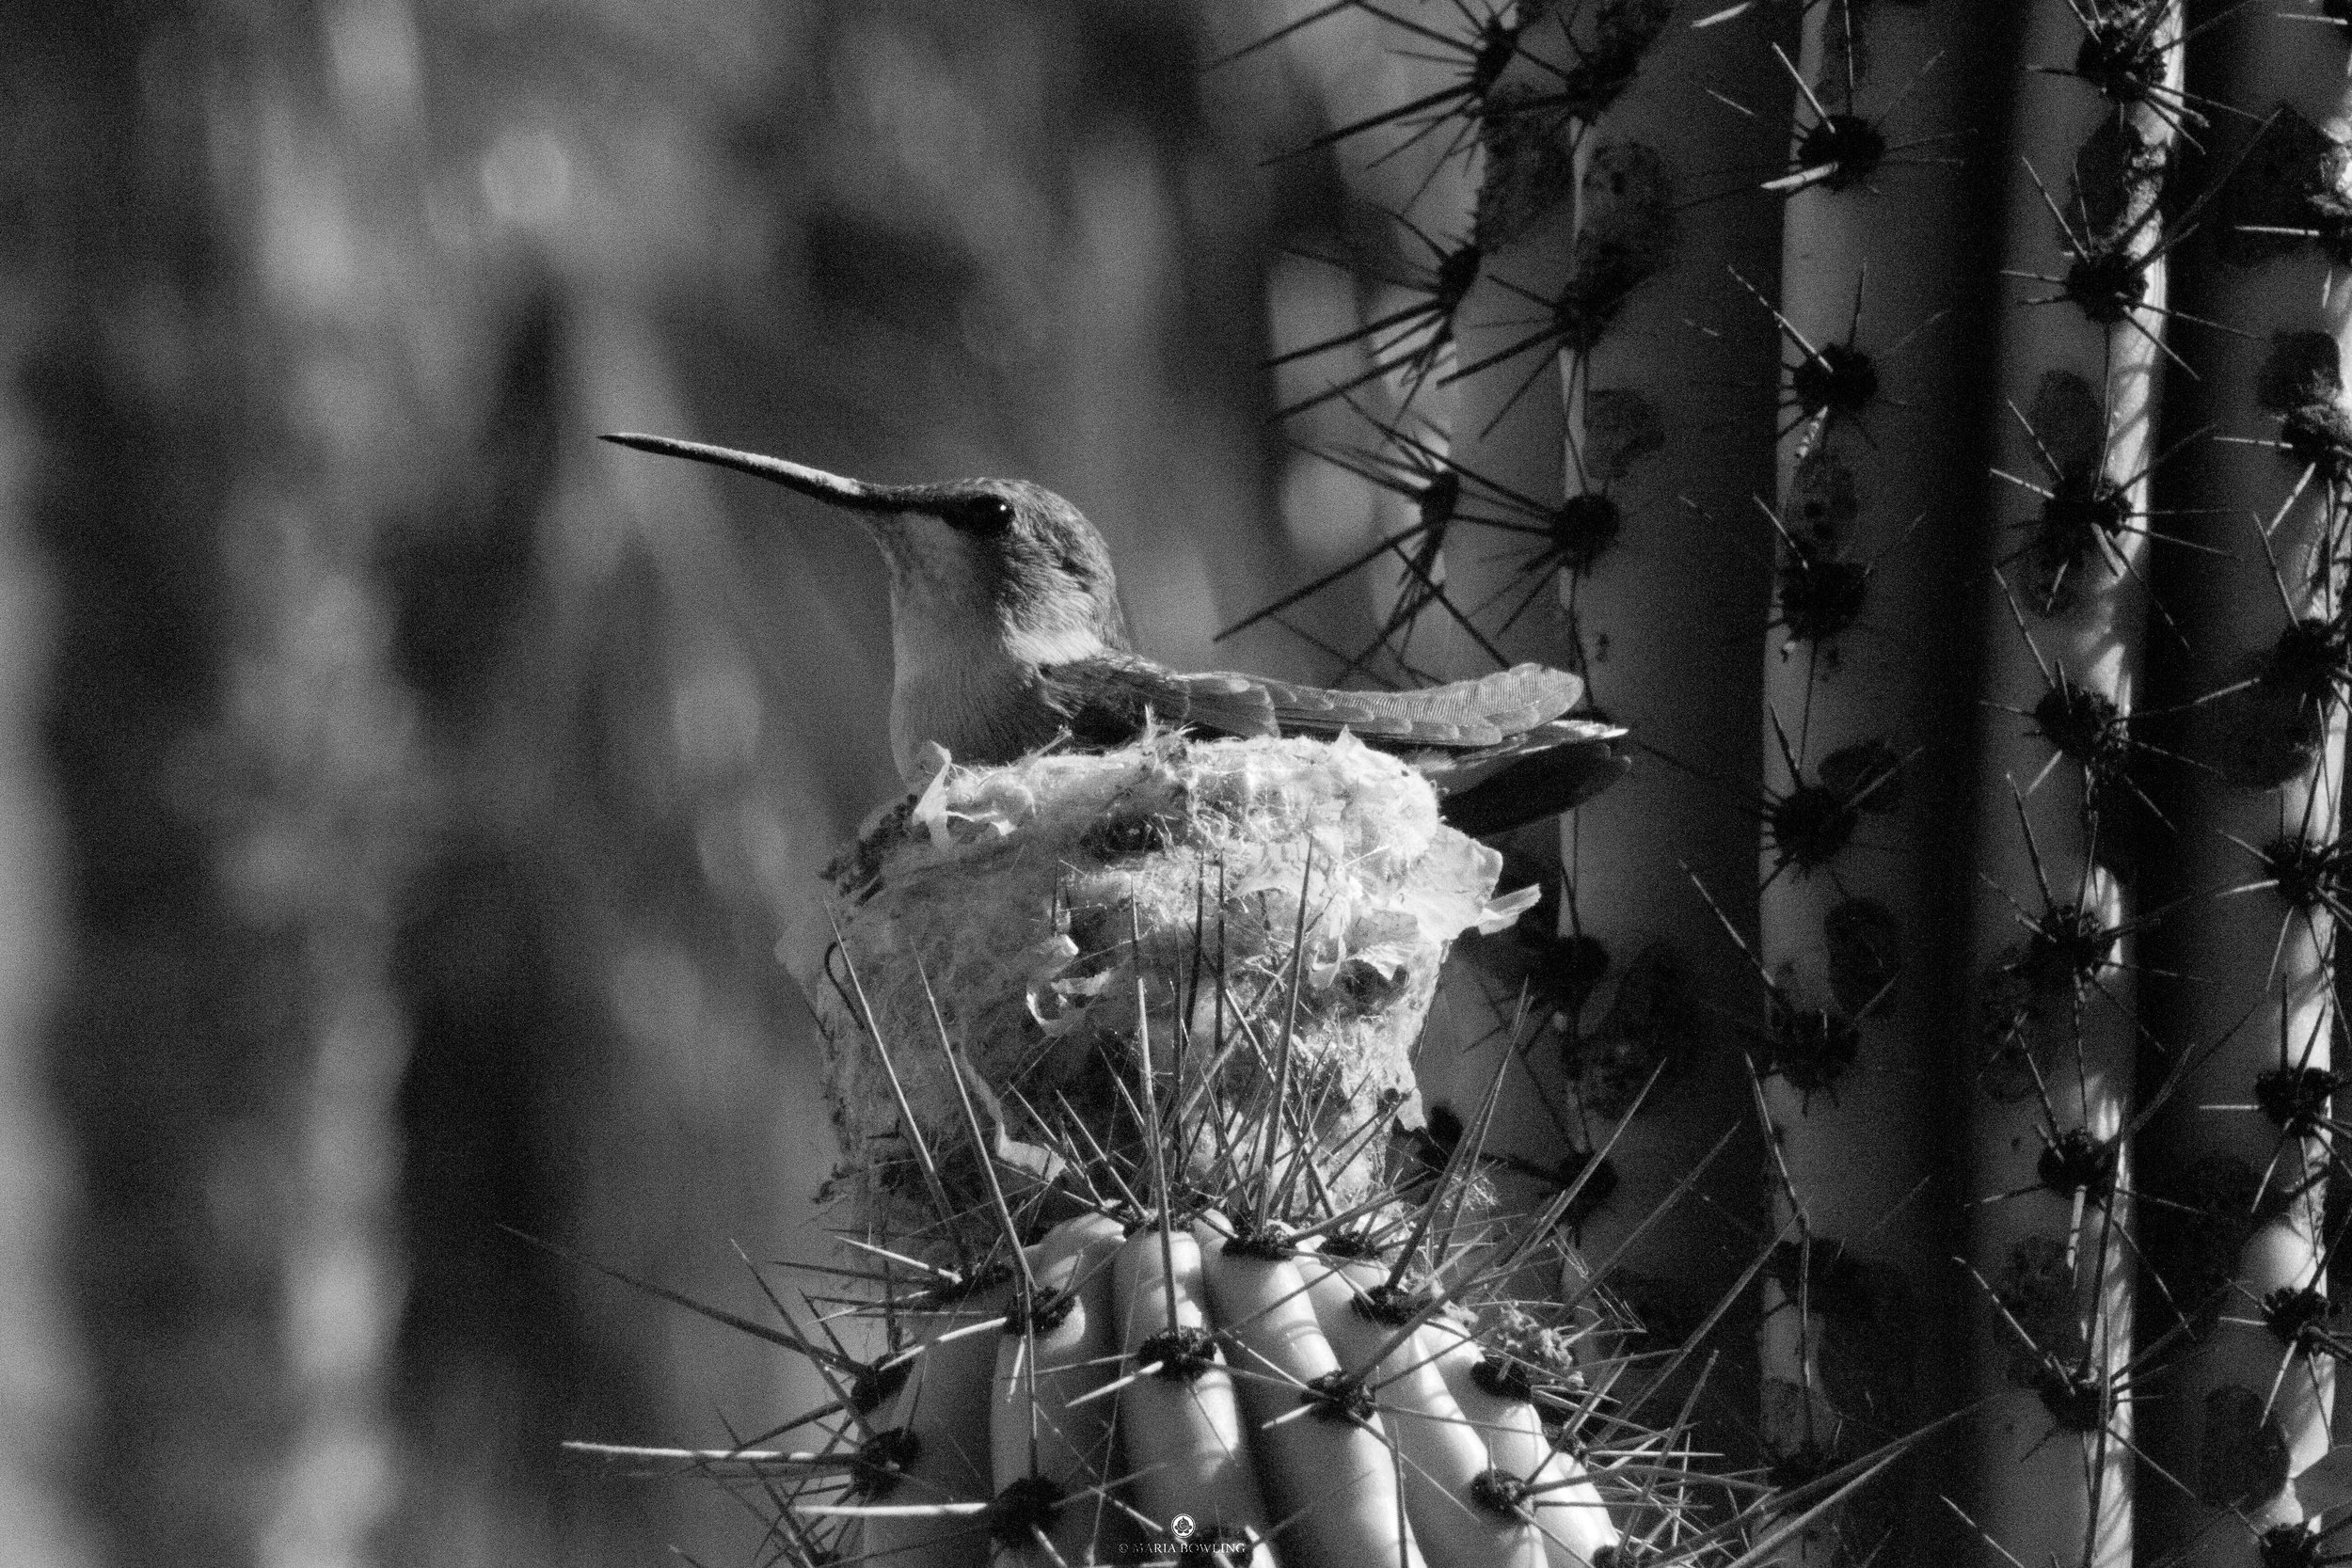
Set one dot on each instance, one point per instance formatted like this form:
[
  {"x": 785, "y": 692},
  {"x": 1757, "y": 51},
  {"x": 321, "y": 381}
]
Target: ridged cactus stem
[
  {"x": 2054, "y": 1004},
  {"x": 1514, "y": 403},
  {"x": 1509, "y": 410},
  {"x": 1659, "y": 565},
  {"x": 1858, "y": 772},
  {"x": 1593, "y": 394},
  {"x": 2251, "y": 1023}
]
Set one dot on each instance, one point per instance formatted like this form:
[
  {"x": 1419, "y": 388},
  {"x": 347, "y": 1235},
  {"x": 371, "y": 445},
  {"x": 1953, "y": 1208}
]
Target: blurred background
[{"x": 404, "y": 797}]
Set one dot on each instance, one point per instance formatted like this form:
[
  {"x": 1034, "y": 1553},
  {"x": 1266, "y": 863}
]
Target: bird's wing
[
  {"x": 1497, "y": 748},
  {"x": 1459, "y": 715},
  {"x": 1104, "y": 699}
]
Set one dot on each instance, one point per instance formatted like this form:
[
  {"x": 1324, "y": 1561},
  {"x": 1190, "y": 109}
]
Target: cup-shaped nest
[{"x": 1265, "y": 917}]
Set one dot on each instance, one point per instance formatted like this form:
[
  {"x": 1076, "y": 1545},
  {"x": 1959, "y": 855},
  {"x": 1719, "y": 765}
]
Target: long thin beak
[{"x": 855, "y": 493}]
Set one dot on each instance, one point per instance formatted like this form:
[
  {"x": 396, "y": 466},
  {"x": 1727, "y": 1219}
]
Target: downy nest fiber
[{"x": 1023, "y": 902}]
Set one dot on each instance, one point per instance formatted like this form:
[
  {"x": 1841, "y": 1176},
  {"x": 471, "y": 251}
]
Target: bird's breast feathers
[{"x": 973, "y": 688}]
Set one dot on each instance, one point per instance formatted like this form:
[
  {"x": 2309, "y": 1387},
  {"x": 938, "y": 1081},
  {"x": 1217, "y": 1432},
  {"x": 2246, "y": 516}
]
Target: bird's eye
[{"x": 984, "y": 514}]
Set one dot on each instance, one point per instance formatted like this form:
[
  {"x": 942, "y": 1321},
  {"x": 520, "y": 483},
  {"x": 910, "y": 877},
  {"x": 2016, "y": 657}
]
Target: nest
[{"x": 1268, "y": 916}]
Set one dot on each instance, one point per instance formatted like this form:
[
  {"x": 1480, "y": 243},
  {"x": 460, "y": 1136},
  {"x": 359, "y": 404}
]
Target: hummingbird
[{"x": 1007, "y": 636}]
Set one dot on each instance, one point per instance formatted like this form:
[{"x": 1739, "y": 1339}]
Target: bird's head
[{"x": 995, "y": 558}]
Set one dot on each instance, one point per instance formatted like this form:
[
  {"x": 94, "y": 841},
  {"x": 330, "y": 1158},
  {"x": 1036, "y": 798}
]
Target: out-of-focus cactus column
[{"x": 236, "y": 772}]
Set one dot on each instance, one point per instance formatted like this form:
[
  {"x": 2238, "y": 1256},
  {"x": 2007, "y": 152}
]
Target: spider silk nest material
[{"x": 1024, "y": 900}]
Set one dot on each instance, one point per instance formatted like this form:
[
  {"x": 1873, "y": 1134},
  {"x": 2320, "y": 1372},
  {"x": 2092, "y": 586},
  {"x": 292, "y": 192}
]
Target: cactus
[
  {"x": 2129, "y": 205},
  {"x": 1922, "y": 424},
  {"x": 2058, "y": 330}
]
